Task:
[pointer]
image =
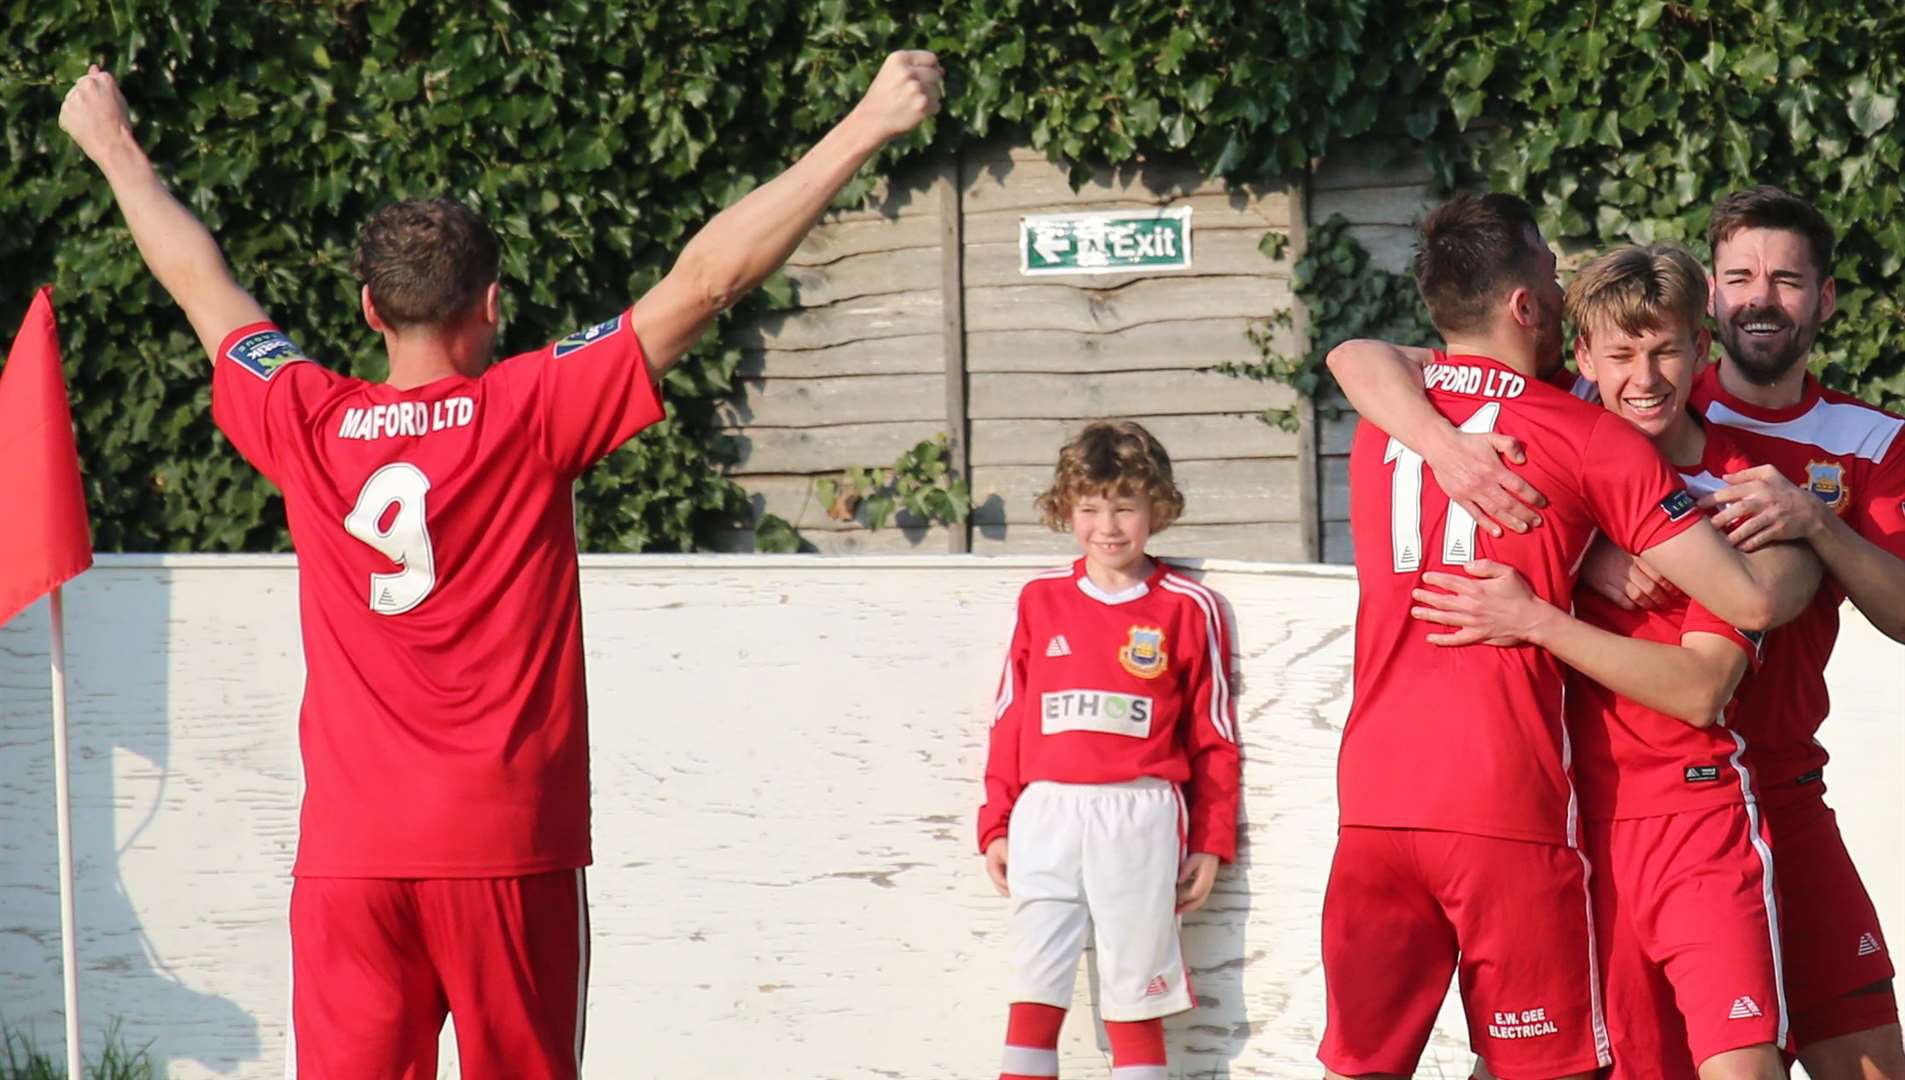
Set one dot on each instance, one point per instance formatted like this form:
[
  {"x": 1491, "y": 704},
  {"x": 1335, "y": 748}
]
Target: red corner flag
[{"x": 46, "y": 541}]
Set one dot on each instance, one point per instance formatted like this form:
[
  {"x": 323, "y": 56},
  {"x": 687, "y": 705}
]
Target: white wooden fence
[{"x": 787, "y": 755}]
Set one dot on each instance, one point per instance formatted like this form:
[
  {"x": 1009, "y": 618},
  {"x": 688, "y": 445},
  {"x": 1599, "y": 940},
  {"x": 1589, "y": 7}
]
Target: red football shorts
[
  {"x": 377, "y": 963},
  {"x": 1686, "y": 911},
  {"x": 1405, "y": 907},
  {"x": 1833, "y": 945}
]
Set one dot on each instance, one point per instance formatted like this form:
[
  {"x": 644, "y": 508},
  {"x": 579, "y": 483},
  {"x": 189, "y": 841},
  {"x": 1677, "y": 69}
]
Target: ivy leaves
[{"x": 1624, "y": 121}]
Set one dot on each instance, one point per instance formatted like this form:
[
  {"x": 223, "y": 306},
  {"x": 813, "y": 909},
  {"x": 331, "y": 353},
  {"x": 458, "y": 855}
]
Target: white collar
[{"x": 1090, "y": 588}]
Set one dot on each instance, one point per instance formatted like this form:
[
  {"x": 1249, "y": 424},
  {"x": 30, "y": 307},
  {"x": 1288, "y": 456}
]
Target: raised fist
[
  {"x": 94, "y": 112},
  {"x": 904, "y": 93}
]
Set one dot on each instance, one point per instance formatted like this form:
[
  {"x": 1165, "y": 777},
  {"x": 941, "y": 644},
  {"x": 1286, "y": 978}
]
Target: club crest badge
[
  {"x": 1143, "y": 653},
  {"x": 1826, "y": 479}
]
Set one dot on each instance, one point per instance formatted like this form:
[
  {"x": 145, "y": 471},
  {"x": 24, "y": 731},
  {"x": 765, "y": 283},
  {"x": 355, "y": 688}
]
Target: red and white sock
[
  {"x": 1137, "y": 1049},
  {"x": 1031, "y": 1042}
]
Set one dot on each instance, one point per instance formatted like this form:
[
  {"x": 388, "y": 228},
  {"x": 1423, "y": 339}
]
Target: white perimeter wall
[{"x": 787, "y": 759}]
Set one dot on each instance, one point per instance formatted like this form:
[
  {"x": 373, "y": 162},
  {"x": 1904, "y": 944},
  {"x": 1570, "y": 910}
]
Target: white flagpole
[{"x": 69, "y": 950}]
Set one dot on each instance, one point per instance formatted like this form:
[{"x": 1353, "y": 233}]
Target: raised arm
[
  {"x": 1384, "y": 383},
  {"x": 1691, "y": 681},
  {"x": 745, "y": 243},
  {"x": 176, "y": 247}
]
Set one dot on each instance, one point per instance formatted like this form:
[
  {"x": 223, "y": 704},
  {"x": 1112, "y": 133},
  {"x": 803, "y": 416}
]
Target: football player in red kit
[
  {"x": 1112, "y": 777},
  {"x": 1686, "y": 917},
  {"x": 1459, "y": 840},
  {"x": 1832, "y": 475},
  {"x": 445, "y": 822}
]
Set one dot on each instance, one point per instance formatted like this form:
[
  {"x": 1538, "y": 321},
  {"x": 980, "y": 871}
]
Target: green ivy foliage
[
  {"x": 1624, "y": 120},
  {"x": 597, "y": 136}
]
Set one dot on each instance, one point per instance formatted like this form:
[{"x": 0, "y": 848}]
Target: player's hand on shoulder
[
  {"x": 905, "y": 92},
  {"x": 94, "y": 112},
  {"x": 1194, "y": 881},
  {"x": 1759, "y": 506},
  {"x": 1472, "y": 470},
  {"x": 995, "y": 866}
]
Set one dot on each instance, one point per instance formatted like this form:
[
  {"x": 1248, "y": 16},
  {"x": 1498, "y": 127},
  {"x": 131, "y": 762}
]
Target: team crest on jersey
[
  {"x": 1143, "y": 653},
  {"x": 264, "y": 352},
  {"x": 1826, "y": 479},
  {"x": 582, "y": 339}
]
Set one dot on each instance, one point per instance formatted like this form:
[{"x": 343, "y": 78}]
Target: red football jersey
[
  {"x": 1472, "y": 740},
  {"x": 1632, "y": 761},
  {"x": 1101, "y": 688},
  {"x": 444, "y": 726},
  {"x": 1852, "y": 456}
]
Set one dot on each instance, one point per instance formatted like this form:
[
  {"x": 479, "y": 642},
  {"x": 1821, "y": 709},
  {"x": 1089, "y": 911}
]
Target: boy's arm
[
  {"x": 178, "y": 250},
  {"x": 1210, "y": 736},
  {"x": 1384, "y": 384},
  {"x": 745, "y": 243},
  {"x": 1002, "y": 784},
  {"x": 1691, "y": 681}
]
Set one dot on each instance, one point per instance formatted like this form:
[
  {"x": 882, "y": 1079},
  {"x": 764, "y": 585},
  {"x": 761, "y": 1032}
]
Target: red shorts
[
  {"x": 1833, "y": 945},
  {"x": 1405, "y": 907},
  {"x": 1687, "y": 916},
  {"x": 377, "y": 963}
]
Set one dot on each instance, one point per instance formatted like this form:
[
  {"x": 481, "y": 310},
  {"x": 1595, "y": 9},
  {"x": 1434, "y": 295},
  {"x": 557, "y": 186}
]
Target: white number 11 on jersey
[
  {"x": 1405, "y": 503},
  {"x": 406, "y": 542}
]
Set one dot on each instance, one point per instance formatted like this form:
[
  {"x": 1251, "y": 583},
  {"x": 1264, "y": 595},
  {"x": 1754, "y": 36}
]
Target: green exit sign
[{"x": 1112, "y": 242}]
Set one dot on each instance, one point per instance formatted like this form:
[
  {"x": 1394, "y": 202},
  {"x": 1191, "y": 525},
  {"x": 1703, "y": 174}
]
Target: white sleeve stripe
[
  {"x": 1213, "y": 633},
  {"x": 1004, "y": 700}
]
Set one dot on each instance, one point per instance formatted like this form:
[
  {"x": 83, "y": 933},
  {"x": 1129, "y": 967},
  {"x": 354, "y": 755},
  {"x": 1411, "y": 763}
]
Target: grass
[{"x": 20, "y": 1059}]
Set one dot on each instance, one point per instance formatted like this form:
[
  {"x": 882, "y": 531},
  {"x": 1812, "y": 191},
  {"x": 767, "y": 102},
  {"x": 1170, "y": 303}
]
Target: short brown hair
[
  {"x": 426, "y": 261},
  {"x": 1637, "y": 289},
  {"x": 1470, "y": 251},
  {"x": 1768, "y": 207},
  {"x": 1112, "y": 457}
]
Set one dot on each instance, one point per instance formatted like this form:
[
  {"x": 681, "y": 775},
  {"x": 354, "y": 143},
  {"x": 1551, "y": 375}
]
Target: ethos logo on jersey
[
  {"x": 1473, "y": 381},
  {"x": 1526, "y": 1024},
  {"x": 264, "y": 352},
  {"x": 1143, "y": 652},
  {"x": 1678, "y": 505},
  {"x": 582, "y": 339},
  {"x": 1826, "y": 479},
  {"x": 1095, "y": 710}
]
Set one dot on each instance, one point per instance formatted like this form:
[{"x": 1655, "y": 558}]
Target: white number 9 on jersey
[{"x": 406, "y": 542}]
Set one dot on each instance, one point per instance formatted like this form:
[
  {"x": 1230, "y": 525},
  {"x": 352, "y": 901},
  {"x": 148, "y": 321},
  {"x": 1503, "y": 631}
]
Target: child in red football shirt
[{"x": 1112, "y": 777}]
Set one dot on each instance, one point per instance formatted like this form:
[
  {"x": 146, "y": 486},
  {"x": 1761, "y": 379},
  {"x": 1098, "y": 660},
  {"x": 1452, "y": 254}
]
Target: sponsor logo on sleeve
[
  {"x": 264, "y": 352},
  {"x": 1826, "y": 480},
  {"x": 1104, "y": 711},
  {"x": 1812, "y": 777},
  {"x": 1143, "y": 652},
  {"x": 582, "y": 339},
  {"x": 1701, "y": 774},
  {"x": 1678, "y": 505}
]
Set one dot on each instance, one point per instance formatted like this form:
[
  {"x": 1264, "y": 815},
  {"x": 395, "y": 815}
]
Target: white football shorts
[{"x": 1103, "y": 857}]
